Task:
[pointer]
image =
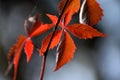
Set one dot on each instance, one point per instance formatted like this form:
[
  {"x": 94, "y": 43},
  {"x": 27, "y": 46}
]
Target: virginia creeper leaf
[
  {"x": 14, "y": 53},
  {"x": 16, "y": 62},
  {"x": 35, "y": 27},
  {"x": 11, "y": 52},
  {"x": 40, "y": 30},
  {"x": 32, "y": 23},
  {"x": 84, "y": 31},
  {"x": 29, "y": 48},
  {"x": 15, "y": 47},
  {"x": 91, "y": 11},
  {"x": 71, "y": 8},
  {"x": 66, "y": 52},
  {"x": 95, "y": 12},
  {"x": 54, "y": 19},
  {"x": 54, "y": 42}
]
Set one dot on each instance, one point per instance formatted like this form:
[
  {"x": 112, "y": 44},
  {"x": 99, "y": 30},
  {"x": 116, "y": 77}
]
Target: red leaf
[
  {"x": 14, "y": 53},
  {"x": 66, "y": 52},
  {"x": 71, "y": 8},
  {"x": 68, "y": 18},
  {"x": 54, "y": 19},
  {"x": 54, "y": 42},
  {"x": 84, "y": 31},
  {"x": 40, "y": 30},
  {"x": 94, "y": 11},
  {"x": 32, "y": 23},
  {"x": 35, "y": 27},
  {"x": 29, "y": 48},
  {"x": 15, "y": 47}
]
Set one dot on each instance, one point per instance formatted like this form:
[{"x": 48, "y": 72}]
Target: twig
[
  {"x": 34, "y": 8},
  {"x": 53, "y": 33}
]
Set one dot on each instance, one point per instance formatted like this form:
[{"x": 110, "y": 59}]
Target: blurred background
[{"x": 95, "y": 59}]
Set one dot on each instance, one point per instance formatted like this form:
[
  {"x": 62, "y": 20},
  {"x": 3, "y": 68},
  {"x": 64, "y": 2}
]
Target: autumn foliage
[{"x": 90, "y": 14}]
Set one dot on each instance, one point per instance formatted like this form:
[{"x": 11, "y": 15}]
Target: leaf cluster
[{"x": 90, "y": 13}]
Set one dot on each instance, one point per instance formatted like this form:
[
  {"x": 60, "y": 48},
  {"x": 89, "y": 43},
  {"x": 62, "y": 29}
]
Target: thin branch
[
  {"x": 43, "y": 67},
  {"x": 53, "y": 33},
  {"x": 10, "y": 65},
  {"x": 34, "y": 8}
]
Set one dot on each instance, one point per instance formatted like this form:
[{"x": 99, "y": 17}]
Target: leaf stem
[
  {"x": 43, "y": 67},
  {"x": 53, "y": 33}
]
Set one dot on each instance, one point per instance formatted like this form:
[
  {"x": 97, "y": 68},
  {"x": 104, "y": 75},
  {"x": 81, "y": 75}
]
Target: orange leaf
[
  {"x": 54, "y": 19},
  {"x": 29, "y": 48},
  {"x": 40, "y": 30},
  {"x": 35, "y": 27},
  {"x": 15, "y": 47},
  {"x": 95, "y": 13},
  {"x": 71, "y": 8},
  {"x": 66, "y": 53},
  {"x": 84, "y": 31},
  {"x": 14, "y": 53},
  {"x": 54, "y": 42}
]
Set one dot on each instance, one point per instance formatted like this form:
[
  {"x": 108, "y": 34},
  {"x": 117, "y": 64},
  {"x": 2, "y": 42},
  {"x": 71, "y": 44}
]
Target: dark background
[{"x": 95, "y": 59}]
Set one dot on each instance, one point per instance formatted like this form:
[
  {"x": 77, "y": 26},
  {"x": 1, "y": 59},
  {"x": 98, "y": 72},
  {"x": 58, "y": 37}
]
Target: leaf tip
[{"x": 29, "y": 48}]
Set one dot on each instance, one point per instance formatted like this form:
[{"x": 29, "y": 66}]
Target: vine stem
[{"x": 53, "y": 33}]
